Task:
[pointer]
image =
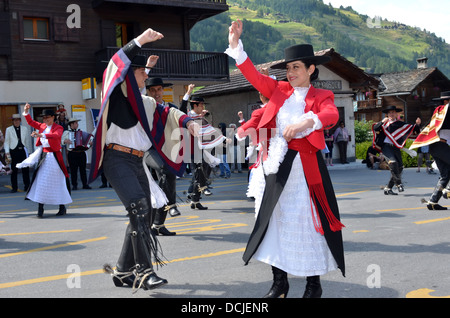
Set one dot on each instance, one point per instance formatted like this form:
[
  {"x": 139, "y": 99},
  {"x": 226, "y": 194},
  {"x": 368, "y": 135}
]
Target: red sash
[{"x": 308, "y": 155}]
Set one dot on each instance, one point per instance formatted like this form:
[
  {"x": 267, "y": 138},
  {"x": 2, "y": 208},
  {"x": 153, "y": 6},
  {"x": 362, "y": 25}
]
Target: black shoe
[
  {"x": 103, "y": 186},
  {"x": 162, "y": 230},
  {"x": 198, "y": 206},
  {"x": 389, "y": 192},
  {"x": 153, "y": 281},
  {"x": 40, "y": 213},
  {"x": 313, "y": 288},
  {"x": 207, "y": 192},
  {"x": 62, "y": 210},
  {"x": 74, "y": 188},
  {"x": 87, "y": 187},
  {"x": 13, "y": 191},
  {"x": 280, "y": 286},
  {"x": 174, "y": 212},
  {"x": 400, "y": 188},
  {"x": 435, "y": 206}
]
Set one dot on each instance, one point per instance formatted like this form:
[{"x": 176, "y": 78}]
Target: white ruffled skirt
[
  {"x": 291, "y": 242},
  {"x": 49, "y": 186}
]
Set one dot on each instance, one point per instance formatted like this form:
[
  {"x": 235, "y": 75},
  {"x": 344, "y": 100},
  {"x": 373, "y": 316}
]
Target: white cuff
[
  {"x": 137, "y": 42},
  {"x": 186, "y": 96},
  {"x": 308, "y": 131},
  {"x": 237, "y": 53}
]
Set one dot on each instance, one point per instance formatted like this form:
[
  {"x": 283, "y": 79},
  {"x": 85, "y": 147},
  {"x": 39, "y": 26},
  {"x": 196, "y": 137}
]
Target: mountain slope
[{"x": 378, "y": 46}]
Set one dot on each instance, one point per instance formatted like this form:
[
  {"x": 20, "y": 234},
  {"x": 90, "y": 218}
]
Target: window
[
  {"x": 35, "y": 29},
  {"x": 124, "y": 33}
]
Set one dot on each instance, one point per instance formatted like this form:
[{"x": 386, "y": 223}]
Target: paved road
[{"x": 394, "y": 246}]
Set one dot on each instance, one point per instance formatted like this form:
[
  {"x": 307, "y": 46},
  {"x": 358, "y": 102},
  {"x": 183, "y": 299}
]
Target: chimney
[{"x": 422, "y": 62}]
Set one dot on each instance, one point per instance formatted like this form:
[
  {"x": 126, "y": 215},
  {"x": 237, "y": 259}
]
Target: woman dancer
[{"x": 297, "y": 230}]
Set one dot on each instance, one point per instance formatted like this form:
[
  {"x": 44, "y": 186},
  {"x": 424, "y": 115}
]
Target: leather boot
[
  {"x": 162, "y": 230},
  {"x": 158, "y": 227},
  {"x": 149, "y": 280},
  {"x": 313, "y": 288},
  {"x": 62, "y": 210},
  {"x": 388, "y": 191},
  {"x": 432, "y": 204},
  {"x": 198, "y": 205},
  {"x": 280, "y": 286},
  {"x": 40, "y": 213}
]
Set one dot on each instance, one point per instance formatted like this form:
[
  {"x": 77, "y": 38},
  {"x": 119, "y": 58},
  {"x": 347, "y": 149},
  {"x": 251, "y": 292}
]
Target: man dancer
[
  {"x": 166, "y": 179},
  {"x": 129, "y": 124},
  {"x": 390, "y": 136},
  {"x": 437, "y": 135},
  {"x": 17, "y": 147},
  {"x": 209, "y": 139}
]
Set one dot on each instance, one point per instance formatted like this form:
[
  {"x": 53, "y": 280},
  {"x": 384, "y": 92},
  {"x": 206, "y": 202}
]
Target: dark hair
[{"x": 315, "y": 75}]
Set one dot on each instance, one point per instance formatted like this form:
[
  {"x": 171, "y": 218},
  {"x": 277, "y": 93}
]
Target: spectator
[{"x": 341, "y": 138}]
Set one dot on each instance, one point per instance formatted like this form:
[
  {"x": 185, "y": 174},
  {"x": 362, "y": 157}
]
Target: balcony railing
[
  {"x": 177, "y": 64},
  {"x": 369, "y": 104}
]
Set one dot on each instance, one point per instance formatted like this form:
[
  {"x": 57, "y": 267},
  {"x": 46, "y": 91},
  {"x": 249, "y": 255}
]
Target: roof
[
  {"x": 338, "y": 65},
  {"x": 404, "y": 82}
]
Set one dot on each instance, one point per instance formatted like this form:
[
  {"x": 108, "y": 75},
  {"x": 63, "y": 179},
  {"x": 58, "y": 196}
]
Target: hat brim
[
  {"x": 398, "y": 110},
  {"x": 163, "y": 85},
  {"x": 317, "y": 60}
]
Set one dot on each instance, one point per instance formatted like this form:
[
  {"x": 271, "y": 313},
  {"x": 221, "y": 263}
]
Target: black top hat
[
  {"x": 139, "y": 61},
  {"x": 301, "y": 52},
  {"x": 392, "y": 107},
  {"x": 444, "y": 95},
  {"x": 156, "y": 81},
  {"x": 197, "y": 99},
  {"x": 48, "y": 112}
]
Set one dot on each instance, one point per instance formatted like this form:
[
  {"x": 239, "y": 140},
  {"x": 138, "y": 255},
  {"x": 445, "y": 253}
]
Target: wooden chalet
[{"x": 413, "y": 91}]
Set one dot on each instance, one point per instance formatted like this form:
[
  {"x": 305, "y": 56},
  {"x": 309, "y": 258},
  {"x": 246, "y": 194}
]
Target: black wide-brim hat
[
  {"x": 444, "y": 96},
  {"x": 48, "y": 112},
  {"x": 139, "y": 61},
  {"x": 156, "y": 81},
  {"x": 197, "y": 99},
  {"x": 389, "y": 108},
  {"x": 301, "y": 52}
]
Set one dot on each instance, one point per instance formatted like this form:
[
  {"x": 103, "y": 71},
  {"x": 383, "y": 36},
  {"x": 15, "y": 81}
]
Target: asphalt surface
[{"x": 394, "y": 247}]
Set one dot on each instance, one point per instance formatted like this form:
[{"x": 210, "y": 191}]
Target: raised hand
[
  {"x": 152, "y": 60},
  {"x": 235, "y": 31},
  {"x": 148, "y": 36},
  {"x": 27, "y": 108}
]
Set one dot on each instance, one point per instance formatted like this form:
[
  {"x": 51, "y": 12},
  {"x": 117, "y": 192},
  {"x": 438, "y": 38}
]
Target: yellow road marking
[
  {"x": 350, "y": 193},
  {"x": 423, "y": 293},
  {"x": 51, "y": 247},
  {"x": 211, "y": 228},
  {"x": 44, "y": 232},
  {"x": 433, "y": 220},
  {"x": 361, "y": 231},
  {"x": 21, "y": 210},
  {"x": 100, "y": 271}
]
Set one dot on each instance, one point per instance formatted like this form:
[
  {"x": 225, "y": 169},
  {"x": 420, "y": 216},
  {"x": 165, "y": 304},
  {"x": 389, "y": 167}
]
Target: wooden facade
[
  {"x": 69, "y": 54},
  {"x": 413, "y": 91}
]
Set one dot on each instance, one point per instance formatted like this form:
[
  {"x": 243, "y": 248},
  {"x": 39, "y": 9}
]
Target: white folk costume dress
[
  {"x": 299, "y": 239},
  {"x": 50, "y": 180}
]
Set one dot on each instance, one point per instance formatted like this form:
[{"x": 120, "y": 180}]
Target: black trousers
[
  {"x": 395, "y": 162},
  {"x": 126, "y": 174},
  {"x": 199, "y": 180},
  {"x": 77, "y": 161},
  {"x": 18, "y": 155},
  {"x": 441, "y": 154}
]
